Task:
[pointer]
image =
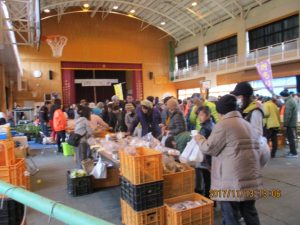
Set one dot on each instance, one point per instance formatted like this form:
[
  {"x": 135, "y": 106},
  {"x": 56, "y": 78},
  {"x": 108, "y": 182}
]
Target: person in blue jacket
[{"x": 149, "y": 118}]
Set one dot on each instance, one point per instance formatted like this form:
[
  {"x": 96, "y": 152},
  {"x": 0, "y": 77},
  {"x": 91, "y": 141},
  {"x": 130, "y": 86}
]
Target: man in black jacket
[{"x": 44, "y": 117}]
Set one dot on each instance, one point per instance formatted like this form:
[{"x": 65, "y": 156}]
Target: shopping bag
[
  {"x": 100, "y": 170},
  {"x": 163, "y": 140},
  {"x": 264, "y": 151},
  {"x": 191, "y": 154}
]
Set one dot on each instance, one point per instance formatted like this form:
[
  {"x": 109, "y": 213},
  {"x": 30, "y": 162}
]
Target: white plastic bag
[
  {"x": 191, "y": 153},
  {"x": 264, "y": 151},
  {"x": 100, "y": 171}
]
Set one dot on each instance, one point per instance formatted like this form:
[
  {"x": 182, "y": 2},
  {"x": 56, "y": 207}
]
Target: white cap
[{"x": 166, "y": 95}]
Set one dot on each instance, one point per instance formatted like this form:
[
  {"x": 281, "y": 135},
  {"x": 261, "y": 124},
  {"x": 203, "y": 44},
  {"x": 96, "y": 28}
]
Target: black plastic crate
[
  {"x": 79, "y": 186},
  {"x": 12, "y": 212},
  {"x": 144, "y": 196}
]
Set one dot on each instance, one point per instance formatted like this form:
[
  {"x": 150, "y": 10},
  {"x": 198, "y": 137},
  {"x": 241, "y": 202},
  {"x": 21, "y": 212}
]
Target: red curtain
[
  {"x": 137, "y": 85},
  {"x": 68, "y": 86}
]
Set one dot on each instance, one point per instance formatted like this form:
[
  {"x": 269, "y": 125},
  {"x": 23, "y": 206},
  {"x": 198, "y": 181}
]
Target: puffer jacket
[
  {"x": 236, "y": 159},
  {"x": 291, "y": 113},
  {"x": 177, "y": 123},
  {"x": 272, "y": 117}
]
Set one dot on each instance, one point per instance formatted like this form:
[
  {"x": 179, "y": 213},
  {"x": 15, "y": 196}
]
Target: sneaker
[{"x": 290, "y": 155}]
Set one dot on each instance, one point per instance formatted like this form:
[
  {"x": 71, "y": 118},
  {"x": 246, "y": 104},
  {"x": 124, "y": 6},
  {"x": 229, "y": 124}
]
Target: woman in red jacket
[{"x": 59, "y": 124}]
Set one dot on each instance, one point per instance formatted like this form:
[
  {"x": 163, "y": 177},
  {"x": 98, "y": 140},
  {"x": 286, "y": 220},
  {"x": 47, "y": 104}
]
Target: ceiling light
[
  {"x": 115, "y": 7},
  {"x": 194, "y": 4},
  {"x": 132, "y": 11},
  {"x": 163, "y": 23},
  {"x": 86, "y": 5},
  {"x": 46, "y": 10}
]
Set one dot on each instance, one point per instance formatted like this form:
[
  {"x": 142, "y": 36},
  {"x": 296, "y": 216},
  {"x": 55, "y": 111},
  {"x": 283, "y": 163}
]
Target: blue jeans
[
  {"x": 231, "y": 212},
  {"x": 44, "y": 128}
]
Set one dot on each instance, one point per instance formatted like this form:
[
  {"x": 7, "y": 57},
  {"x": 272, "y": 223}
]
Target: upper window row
[{"x": 270, "y": 34}]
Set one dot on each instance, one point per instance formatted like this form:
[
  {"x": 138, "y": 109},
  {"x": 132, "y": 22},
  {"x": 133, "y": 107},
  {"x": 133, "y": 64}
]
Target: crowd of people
[{"x": 229, "y": 133}]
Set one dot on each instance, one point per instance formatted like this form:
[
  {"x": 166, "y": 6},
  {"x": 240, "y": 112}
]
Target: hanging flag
[
  {"x": 265, "y": 72},
  {"x": 119, "y": 91}
]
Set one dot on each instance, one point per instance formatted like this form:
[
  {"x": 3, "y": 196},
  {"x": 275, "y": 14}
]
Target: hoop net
[{"x": 57, "y": 44}]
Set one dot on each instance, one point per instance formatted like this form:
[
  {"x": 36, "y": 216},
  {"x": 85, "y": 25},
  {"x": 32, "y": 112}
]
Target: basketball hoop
[{"x": 57, "y": 43}]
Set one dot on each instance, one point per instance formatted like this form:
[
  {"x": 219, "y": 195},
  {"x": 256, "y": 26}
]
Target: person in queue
[
  {"x": 83, "y": 128},
  {"x": 236, "y": 163},
  {"x": 175, "y": 121},
  {"x": 290, "y": 121},
  {"x": 250, "y": 109},
  {"x": 204, "y": 168},
  {"x": 130, "y": 115},
  {"x": 272, "y": 123},
  {"x": 44, "y": 117},
  {"x": 59, "y": 124},
  {"x": 118, "y": 120},
  {"x": 149, "y": 118}
]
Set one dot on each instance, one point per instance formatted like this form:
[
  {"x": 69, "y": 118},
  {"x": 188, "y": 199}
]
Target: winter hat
[
  {"x": 285, "y": 93},
  {"x": 226, "y": 104},
  {"x": 114, "y": 98},
  {"x": 147, "y": 104},
  {"x": 243, "y": 88}
]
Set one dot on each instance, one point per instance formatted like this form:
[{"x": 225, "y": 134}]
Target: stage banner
[
  {"x": 119, "y": 91},
  {"x": 265, "y": 72}
]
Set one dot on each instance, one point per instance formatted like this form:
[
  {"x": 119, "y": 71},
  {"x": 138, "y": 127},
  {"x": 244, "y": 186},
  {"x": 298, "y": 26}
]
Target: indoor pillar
[
  {"x": 201, "y": 50},
  {"x": 241, "y": 40}
]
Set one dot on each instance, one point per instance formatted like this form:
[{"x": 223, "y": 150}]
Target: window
[
  {"x": 222, "y": 48},
  {"x": 273, "y": 33},
  {"x": 187, "y": 93},
  {"x": 187, "y": 59}
]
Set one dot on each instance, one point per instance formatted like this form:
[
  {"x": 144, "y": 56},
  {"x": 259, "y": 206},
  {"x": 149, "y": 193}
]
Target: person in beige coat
[{"x": 236, "y": 179}]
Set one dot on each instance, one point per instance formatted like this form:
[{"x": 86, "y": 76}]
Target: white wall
[{"x": 257, "y": 16}]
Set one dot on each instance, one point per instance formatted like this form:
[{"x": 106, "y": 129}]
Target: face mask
[{"x": 239, "y": 102}]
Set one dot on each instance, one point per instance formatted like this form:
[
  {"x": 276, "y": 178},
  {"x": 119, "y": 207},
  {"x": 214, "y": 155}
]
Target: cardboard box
[
  {"x": 112, "y": 180},
  {"x": 21, "y": 152}
]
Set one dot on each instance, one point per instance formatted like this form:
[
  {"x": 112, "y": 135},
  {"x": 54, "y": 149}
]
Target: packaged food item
[
  {"x": 169, "y": 164},
  {"x": 187, "y": 205},
  {"x": 130, "y": 150}
]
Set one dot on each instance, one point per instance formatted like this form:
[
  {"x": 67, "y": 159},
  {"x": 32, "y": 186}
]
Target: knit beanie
[{"x": 226, "y": 104}]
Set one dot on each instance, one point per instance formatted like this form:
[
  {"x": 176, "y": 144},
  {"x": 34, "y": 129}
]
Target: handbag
[
  {"x": 74, "y": 139},
  {"x": 264, "y": 151}
]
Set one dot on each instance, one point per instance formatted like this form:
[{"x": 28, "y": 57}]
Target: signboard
[
  {"x": 206, "y": 84},
  {"x": 119, "y": 91},
  {"x": 265, "y": 72},
  {"x": 96, "y": 82}
]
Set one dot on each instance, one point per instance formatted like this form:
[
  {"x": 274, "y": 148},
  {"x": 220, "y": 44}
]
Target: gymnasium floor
[{"x": 280, "y": 173}]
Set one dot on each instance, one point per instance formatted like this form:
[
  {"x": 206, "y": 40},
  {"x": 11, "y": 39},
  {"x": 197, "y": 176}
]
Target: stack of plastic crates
[
  {"x": 142, "y": 187},
  {"x": 12, "y": 170}
]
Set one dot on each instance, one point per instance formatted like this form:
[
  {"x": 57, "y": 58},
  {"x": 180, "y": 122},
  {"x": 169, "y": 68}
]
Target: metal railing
[
  {"x": 277, "y": 53},
  {"x": 48, "y": 207}
]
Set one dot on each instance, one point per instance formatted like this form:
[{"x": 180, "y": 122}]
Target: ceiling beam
[
  {"x": 137, "y": 5},
  {"x": 96, "y": 9},
  {"x": 224, "y": 8}
]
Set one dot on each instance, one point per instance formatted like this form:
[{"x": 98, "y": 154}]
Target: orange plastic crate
[
  {"x": 201, "y": 215},
  {"x": 14, "y": 174},
  {"x": 155, "y": 216},
  {"x": 143, "y": 167},
  {"x": 181, "y": 183},
  {"x": 7, "y": 153}
]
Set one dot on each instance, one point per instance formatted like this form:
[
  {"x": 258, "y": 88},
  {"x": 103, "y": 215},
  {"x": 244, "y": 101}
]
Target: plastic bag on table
[
  {"x": 100, "y": 170},
  {"x": 130, "y": 150}
]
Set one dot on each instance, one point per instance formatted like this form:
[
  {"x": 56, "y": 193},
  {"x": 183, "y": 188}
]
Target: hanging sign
[
  {"x": 96, "y": 82},
  {"x": 119, "y": 91},
  {"x": 265, "y": 72}
]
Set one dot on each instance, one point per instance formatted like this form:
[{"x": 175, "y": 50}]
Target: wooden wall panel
[
  {"x": 189, "y": 83},
  {"x": 284, "y": 70},
  {"x": 116, "y": 39}
]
